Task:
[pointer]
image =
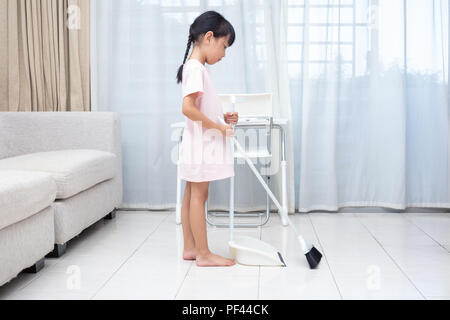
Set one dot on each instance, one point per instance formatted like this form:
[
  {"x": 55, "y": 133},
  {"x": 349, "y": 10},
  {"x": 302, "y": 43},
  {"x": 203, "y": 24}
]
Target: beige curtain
[{"x": 44, "y": 52}]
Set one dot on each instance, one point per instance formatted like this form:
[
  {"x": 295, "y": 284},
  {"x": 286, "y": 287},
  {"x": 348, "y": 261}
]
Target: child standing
[{"x": 205, "y": 153}]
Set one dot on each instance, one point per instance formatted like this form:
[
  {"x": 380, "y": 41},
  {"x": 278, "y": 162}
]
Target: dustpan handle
[
  {"x": 231, "y": 217},
  {"x": 231, "y": 207}
]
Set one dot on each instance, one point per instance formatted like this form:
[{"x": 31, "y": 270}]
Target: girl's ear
[{"x": 209, "y": 35}]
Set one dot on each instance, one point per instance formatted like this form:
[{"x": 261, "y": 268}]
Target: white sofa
[{"x": 59, "y": 174}]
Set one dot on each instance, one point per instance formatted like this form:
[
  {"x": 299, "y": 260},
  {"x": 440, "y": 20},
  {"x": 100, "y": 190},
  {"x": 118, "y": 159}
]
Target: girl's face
[{"x": 215, "y": 49}]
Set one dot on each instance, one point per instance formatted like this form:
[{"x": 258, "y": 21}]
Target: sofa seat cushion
[
  {"x": 73, "y": 170},
  {"x": 23, "y": 194}
]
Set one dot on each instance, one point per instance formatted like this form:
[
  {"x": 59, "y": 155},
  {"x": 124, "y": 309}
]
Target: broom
[{"x": 313, "y": 255}]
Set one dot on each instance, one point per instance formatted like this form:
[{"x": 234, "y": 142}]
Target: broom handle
[{"x": 305, "y": 246}]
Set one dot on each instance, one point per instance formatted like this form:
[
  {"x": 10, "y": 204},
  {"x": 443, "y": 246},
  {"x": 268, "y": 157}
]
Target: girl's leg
[
  {"x": 189, "y": 243},
  {"x": 204, "y": 257}
]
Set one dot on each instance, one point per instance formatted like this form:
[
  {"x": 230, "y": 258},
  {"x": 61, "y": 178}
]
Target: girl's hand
[
  {"x": 226, "y": 130},
  {"x": 231, "y": 117}
]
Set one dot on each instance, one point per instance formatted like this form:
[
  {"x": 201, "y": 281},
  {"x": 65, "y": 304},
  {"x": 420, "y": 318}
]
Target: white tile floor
[{"x": 138, "y": 256}]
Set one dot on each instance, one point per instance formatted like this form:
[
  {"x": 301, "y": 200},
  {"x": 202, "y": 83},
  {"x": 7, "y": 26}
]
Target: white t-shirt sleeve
[{"x": 193, "y": 81}]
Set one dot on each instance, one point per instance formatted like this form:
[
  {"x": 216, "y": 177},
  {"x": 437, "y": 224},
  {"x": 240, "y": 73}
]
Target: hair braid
[
  {"x": 187, "y": 48},
  {"x": 180, "y": 70}
]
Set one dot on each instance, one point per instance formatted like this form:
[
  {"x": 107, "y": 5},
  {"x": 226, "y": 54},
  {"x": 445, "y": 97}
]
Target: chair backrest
[
  {"x": 248, "y": 105},
  {"x": 255, "y": 106}
]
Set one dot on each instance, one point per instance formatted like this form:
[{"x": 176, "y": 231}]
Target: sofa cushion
[
  {"x": 73, "y": 170},
  {"x": 23, "y": 194}
]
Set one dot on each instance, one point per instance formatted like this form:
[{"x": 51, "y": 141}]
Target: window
[{"x": 333, "y": 26}]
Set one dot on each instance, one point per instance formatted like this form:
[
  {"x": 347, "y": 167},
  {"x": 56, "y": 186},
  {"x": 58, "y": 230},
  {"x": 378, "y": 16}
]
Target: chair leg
[
  {"x": 268, "y": 198},
  {"x": 58, "y": 251},
  {"x": 284, "y": 200},
  {"x": 178, "y": 204},
  {"x": 35, "y": 268},
  {"x": 231, "y": 221}
]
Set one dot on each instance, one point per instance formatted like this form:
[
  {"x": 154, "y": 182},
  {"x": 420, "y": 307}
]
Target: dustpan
[{"x": 253, "y": 252}]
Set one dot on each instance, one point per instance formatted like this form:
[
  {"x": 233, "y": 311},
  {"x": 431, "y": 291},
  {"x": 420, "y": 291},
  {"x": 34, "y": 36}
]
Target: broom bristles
[{"x": 313, "y": 256}]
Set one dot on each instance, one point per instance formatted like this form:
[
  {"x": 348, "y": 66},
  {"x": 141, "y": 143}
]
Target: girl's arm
[{"x": 191, "y": 111}]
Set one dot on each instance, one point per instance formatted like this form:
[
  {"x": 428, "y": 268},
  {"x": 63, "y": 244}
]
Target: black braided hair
[
  {"x": 188, "y": 48},
  {"x": 207, "y": 21}
]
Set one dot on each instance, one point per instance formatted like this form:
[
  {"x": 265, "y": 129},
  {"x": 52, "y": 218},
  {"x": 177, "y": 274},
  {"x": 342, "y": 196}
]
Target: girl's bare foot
[
  {"x": 213, "y": 260},
  {"x": 189, "y": 254}
]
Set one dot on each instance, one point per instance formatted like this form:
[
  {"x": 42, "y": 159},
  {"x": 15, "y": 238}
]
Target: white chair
[{"x": 255, "y": 112}]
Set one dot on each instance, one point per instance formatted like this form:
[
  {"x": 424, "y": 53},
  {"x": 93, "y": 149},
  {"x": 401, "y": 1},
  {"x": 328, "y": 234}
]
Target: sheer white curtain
[
  {"x": 367, "y": 81},
  {"x": 138, "y": 46},
  {"x": 373, "y": 91}
]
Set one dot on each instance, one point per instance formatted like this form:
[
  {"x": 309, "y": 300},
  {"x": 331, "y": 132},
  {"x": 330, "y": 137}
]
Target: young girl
[{"x": 204, "y": 137}]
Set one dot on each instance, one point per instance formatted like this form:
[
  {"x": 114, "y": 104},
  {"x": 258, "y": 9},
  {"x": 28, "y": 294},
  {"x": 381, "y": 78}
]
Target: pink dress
[{"x": 205, "y": 154}]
